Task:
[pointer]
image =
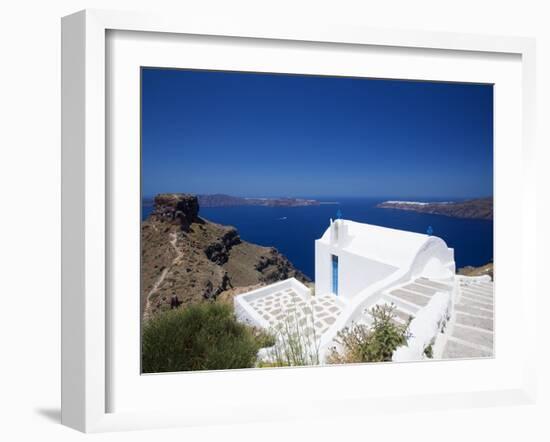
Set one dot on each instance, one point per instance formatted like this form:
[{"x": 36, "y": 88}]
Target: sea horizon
[
  {"x": 293, "y": 230},
  {"x": 333, "y": 197}
]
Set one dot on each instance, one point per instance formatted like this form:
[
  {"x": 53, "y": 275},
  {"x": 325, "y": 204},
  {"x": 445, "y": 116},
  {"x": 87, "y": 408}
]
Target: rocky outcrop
[
  {"x": 275, "y": 267},
  {"x": 176, "y": 208},
  {"x": 187, "y": 259},
  {"x": 487, "y": 269},
  {"x": 218, "y": 251}
]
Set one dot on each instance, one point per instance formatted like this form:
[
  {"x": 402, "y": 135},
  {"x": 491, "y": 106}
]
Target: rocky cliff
[
  {"x": 480, "y": 208},
  {"x": 186, "y": 259},
  {"x": 487, "y": 269}
]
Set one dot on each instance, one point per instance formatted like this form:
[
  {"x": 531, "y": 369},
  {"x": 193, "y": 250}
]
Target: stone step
[
  {"x": 474, "y": 321},
  {"x": 454, "y": 349},
  {"x": 475, "y": 303},
  {"x": 466, "y": 298},
  {"x": 475, "y": 287},
  {"x": 473, "y": 335},
  {"x": 402, "y": 314},
  {"x": 477, "y": 295},
  {"x": 480, "y": 303},
  {"x": 404, "y": 310},
  {"x": 488, "y": 286},
  {"x": 464, "y": 308},
  {"x": 478, "y": 291},
  {"x": 434, "y": 284},
  {"x": 420, "y": 289},
  {"x": 478, "y": 287},
  {"x": 401, "y": 317},
  {"x": 401, "y": 304},
  {"x": 410, "y": 297}
]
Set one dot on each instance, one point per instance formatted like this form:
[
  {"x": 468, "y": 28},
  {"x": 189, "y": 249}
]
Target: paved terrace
[
  {"x": 319, "y": 311},
  {"x": 470, "y": 331}
]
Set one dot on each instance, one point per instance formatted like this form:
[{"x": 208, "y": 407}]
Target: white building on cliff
[
  {"x": 358, "y": 266},
  {"x": 350, "y": 257}
]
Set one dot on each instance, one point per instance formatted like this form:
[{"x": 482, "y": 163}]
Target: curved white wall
[{"x": 434, "y": 260}]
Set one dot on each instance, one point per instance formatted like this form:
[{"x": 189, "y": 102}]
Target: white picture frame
[{"x": 86, "y": 316}]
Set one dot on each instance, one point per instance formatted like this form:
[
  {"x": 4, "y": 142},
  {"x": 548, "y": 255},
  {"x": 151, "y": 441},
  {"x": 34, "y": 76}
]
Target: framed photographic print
[
  {"x": 280, "y": 222},
  {"x": 314, "y": 286}
]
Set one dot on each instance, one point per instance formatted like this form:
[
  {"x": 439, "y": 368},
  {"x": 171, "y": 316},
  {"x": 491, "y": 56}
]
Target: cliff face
[
  {"x": 487, "y": 269},
  {"x": 176, "y": 209},
  {"x": 192, "y": 259}
]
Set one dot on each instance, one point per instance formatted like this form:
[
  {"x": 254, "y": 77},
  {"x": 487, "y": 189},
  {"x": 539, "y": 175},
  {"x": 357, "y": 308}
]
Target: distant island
[
  {"x": 221, "y": 200},
  {"x": 479, "y": 208}
]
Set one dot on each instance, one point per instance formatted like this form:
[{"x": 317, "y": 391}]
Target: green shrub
[
  {"x": 371, "y": 343},
  {"x": 199, "y": 337},
  {"x": 263, "y": 338},
  {"x": 429, "y": 351}
]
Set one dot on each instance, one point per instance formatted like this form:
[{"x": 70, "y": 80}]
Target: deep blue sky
[{"x": 288, "y": 135}]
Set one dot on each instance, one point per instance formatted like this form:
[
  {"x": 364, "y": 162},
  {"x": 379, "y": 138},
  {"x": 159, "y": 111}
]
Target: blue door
[{"x": 335, "y": 274}]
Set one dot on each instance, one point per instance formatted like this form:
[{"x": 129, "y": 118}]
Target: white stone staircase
[
  {"x": 470, "y": 331},
  {"x": 411, "y": 297}
]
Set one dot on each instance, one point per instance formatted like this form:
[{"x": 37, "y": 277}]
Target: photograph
[{"x": 292, "y": 220}]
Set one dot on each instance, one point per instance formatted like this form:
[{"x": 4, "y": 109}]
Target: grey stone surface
[
  {"x": 473, "y": 310},
  {"x": 478, "y": 290},
  {"x": 487, "y": 288},
  {"x": 474, "y": 303},
  {"x": 420, "y": 289},
  {"x": 433, "y": 284},
  {"x": 471, "y": 325},
  {"x": 482, "y": 286},
  {"x": 477, "y": 298},
  {"x": 474, "y": 336},
  {"x": 414, "y": 298},
  {"x": 455, "y": 350},
  {"x": 474, "y": 321}
]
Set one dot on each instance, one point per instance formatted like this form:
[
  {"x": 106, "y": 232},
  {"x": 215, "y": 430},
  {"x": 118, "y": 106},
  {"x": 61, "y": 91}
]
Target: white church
[{"x": 358, "y": 266}]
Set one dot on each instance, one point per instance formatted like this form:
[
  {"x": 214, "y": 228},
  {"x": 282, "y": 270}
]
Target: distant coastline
[
  {"x": 471, "y": 238},
  {"x": 479, "y": 208},
  {"x": 223, "y": 200}
]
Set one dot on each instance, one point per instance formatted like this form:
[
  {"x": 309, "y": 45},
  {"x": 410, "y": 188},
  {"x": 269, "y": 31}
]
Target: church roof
[{"x": 391, "y": 246}]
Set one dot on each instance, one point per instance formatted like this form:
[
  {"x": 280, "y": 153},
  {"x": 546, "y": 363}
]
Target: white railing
[{"x": 425, "y": 327}]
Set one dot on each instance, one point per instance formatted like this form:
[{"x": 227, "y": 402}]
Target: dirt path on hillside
[{"x": 160, "y": 279}]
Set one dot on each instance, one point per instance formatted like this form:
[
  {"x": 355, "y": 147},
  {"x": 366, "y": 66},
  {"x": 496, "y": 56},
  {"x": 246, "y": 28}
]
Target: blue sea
[{"x": 293, "y": 230}]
